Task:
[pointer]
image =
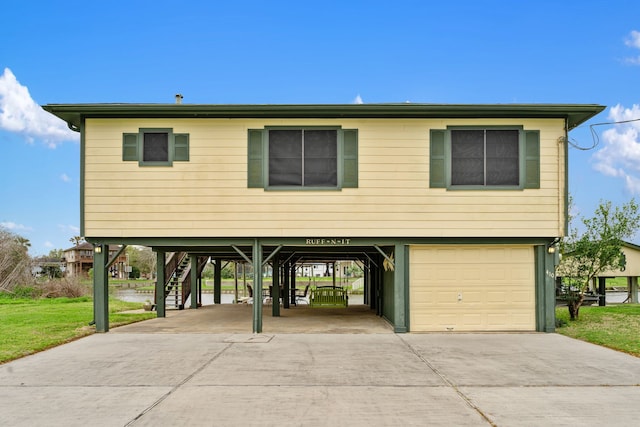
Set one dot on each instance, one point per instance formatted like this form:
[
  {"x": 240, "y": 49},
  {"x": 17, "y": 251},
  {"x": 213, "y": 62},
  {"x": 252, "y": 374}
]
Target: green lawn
[
  {"x": 616, "y": 326},
  {"x": 31, "y": 325}
]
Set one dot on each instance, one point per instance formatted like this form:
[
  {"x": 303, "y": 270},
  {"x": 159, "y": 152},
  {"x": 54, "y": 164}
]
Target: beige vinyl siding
[
  {"x": 208, "y": 195},
  {"x": 472, "y": 288}
]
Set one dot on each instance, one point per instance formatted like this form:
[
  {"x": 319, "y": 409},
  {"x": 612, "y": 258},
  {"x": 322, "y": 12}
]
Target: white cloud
[
  {"x": 47, "y": 244},
  {"x": 65, "y": 178},
  {"x": 634, "y": 39},
  {"x": 69, "y": 229},
  {"x": 620, "y": 155},
  {"x": 357, "y": 100},
  {"x": 19, "y": 113},
  {"x": 9, "y": 225}
]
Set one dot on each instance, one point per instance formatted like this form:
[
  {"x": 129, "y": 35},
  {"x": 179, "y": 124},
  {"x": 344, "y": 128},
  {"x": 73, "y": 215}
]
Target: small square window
[{"x": 155, "y": 147}]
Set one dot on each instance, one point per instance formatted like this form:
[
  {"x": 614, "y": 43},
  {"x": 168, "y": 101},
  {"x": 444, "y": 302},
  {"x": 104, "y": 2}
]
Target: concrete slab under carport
[
  {"x": 288, "y": 379},
  {"x": 237, "y": 318}
]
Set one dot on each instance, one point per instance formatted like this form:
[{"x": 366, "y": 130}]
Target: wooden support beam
[
  {"x": 101, "y": 288},
  {"x": 161, "y": 258},
  {"x": 633, "y": 289},
  {"x": 217, "y": 281},
  {"x": 275, "y": 286},
  {"x": 257, "y": 287},
  {"x": 194, "y": 280},
  {"x": 400, "y": 289},
  {"x": 602, "y": 291},
  {"x": 115, "y": 256}
]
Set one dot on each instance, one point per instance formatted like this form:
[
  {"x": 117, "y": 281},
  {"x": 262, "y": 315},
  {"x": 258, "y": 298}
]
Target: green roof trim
[{"x": 575, "y": 114}]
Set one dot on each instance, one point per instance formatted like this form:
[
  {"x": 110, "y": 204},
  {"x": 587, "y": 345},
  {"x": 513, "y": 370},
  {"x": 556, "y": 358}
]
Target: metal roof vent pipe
[{"x": 179, "y": 98}]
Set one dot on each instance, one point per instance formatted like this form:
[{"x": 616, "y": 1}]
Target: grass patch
[
  {"x": 32, "y": 325},
  {"x": 613, "y": 326}
]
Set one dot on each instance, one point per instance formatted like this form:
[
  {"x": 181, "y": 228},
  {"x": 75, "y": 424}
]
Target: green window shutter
[
  {"x": 350, "y": 158},
  {"x": 437, "y": 159},
  {"x": 129, "y": 147},
  {"x": 255, "y": 163},
  {"x": 181, "y": 147},
  {"x": 532, "y": 159}
]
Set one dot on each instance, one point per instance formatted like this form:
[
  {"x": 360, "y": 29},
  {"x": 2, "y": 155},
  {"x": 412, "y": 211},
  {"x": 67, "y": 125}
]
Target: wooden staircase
[
  {"x": 175, "y": 288},
  {"x": 177, "y": 279}
]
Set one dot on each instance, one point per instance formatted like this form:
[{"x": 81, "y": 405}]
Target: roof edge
[{"x": 575, "y": 114}]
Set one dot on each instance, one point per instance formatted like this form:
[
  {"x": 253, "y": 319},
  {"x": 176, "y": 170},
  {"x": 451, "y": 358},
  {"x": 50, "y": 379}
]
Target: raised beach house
[{"x": 452, "y": 210}]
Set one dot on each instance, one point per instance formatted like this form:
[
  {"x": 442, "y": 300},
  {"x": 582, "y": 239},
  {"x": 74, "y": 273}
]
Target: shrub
[
  {"x": 30, "y": 292},
  {"x": 69, "y": 287}
]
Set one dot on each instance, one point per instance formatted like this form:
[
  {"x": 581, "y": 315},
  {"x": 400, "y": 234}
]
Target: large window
[
  {"x": 484, "y": 158},
  {"x": 303, "y": 158},
  {"x": 155, "y": 147}
]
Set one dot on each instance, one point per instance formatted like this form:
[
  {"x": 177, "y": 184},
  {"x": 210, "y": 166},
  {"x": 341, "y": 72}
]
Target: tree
[
  {"x": 142, "y": 258},
  {"x": 76, "y": 240},
  {"x": 15, "y": 262},
  {"x": 597, "y": 248},
  {"x": 56, "y": 253},
  {"x": 23, "y": 242}
]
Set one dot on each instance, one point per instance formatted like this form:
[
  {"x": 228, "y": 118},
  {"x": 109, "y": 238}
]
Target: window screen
[
  {"x": 285, "y": 157},
  {"x": 503, "y": 164},
  {"x": 485, "y": 157},
  {"x": 303, "y": 157},
  {"x": 467, "y": 157},
  {"x": 156, "y": 147},
  {"x": 320, "y": 158}
]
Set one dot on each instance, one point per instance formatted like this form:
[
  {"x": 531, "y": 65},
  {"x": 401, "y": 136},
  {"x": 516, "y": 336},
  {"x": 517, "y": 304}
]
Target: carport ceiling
[{"x": 320, "y": 254}]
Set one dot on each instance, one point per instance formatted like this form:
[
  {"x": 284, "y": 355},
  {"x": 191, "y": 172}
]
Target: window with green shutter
[
  {"x": 484, "y": 158},
  {"x": 155, "y": 147},
  {"x": 308, "y": 158}
]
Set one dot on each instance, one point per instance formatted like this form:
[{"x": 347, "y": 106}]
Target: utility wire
[{"x": 594, "y": 134}]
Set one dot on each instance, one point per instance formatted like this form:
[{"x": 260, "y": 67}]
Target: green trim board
[
  {"x": 545, "y": 265},
  {"x": 194, "y": 244},
  {"x": 575, "y": 114},
  {"x": 83, "y": 149}
]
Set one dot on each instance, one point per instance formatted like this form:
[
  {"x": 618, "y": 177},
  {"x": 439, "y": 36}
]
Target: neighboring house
[
  {"x": 79, "y": 260},
  {"x": 47, "y": 266},
  {"x": 450, "y": 208},
  {"x": 631, "y": 272}
]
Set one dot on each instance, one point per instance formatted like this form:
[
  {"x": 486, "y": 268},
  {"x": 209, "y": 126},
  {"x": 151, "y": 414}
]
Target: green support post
[
  {"x": 292, "y": 280},
  {"x": 194, "y": 280},
  {"x": 288, "y": 293},
  {"x": 545, "y": 289},
  {"x": 257, "y": 287},
  {"x": 551, "y": 261},
  {"x": 400, "y": 289},
  {"x": 217, "y": 280},
  {"x": 160, "y": 299},
  {"x": 101, "y": 288},
  {"x": 275, "y": 287}
]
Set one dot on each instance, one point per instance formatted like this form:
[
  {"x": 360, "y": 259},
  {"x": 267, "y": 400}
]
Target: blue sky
[{"x": 257, "y": 52}]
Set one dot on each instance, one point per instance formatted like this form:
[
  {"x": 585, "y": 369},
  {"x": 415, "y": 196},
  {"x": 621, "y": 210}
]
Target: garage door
[{"x": 472, "y": 288}]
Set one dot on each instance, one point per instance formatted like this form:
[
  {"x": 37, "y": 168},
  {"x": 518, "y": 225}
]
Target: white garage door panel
[{"x": 472, "y": 288}]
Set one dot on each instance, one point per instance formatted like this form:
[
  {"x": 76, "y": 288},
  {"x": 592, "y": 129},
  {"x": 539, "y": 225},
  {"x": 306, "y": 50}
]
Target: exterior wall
[
  {"x": 472, "y": 288},
  {"x": 208, "y": 195},
  {"x": 632, "y": 269}
]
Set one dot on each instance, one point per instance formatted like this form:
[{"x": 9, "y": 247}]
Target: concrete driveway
[{"x": 377, "y": 379}]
